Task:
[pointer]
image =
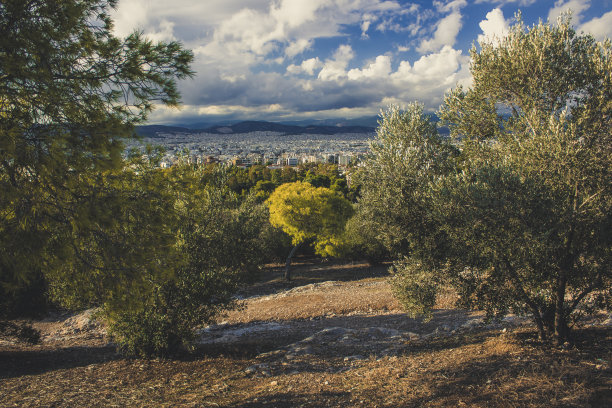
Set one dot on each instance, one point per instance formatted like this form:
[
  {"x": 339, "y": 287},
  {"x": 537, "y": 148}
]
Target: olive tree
[
  {"x": 406, "y": 155},
  {"x": 523, "y": 223}
]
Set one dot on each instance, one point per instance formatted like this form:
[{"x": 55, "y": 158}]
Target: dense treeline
[{"x": 262, "y": 181}]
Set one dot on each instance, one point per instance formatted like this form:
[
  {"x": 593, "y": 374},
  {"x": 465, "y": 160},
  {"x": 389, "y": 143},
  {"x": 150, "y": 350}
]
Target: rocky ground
[{"x": 334, "y": 336}]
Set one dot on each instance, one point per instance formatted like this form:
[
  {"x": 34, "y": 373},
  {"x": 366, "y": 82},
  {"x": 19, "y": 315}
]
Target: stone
[
  {"x": 332, "y": 332},
  {"x": 354, "y": 358},
  {"x": 411, "y": 336},
  {"x": 382, "y": 332},
  {"x": 302, "y": 351},
  {"x": 255, "y": 368},
  {"x": 470, "y": 324}
]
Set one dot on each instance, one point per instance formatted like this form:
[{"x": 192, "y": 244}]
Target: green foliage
[
  {"x": 523, "y": 223},
  {"x": 70, "y": 91},
  {"x": 414, "y": 287},
  {"x": 306, "y": 213},
  {"x": 288, "y": 175},
  {"x": 221, "y": 240},
  {"x": 406, "y": 156},
  {"x": 263, "y": 189},
  {"x": 324, "y": 175},
  {"x": 262, "y": 181},
  {"x": 239, "y": 181},
  {"x": 541, "y": 186},
  {"x": 259, "y": 173},
  {"x": 360, "y": 240},
  {"x": 341, "y": 186},
  {"x": 128, "y": 249},
  {"x": 317, "y": 180}
]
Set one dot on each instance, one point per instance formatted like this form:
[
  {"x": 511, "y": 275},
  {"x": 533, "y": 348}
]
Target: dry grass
[
  {"x": 357, "y": 288},
  {"x": 478, "y": 370},
  {"x": 473, "y": 369},
  {"x": 338, "y": 298}
]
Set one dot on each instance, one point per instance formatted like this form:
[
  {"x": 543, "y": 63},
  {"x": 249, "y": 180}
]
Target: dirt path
[{"x": 348, "y": 321}]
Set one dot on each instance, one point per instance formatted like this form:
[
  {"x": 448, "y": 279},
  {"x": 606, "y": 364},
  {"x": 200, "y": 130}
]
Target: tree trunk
[
  {"x": 535, "y": 309},
  {"x": 288, "y": 263},
  {"x": 560, "y": 318},
  {"x": 561, "y": 329},
  {"x": 540, "y": 324}
]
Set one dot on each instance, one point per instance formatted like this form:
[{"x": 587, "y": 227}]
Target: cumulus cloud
[
  {"x": 131, "y": 15},
  {"x": 443, "y": 65},
  {"x": 523, "y": 3},
  {"x": 293, "y": 13},
  {"x": 238, "y": 42},
  {"x": 257, "y": 26},
  {"x": 380, "y": 68},
  {"x": 445, "y": 34},
  {"x": 249, "y": 31},
  {"x": 188, "y": 15},
  {"x": 448, "y": 6},
  {"x": 577, "y": 7},
  {"x": 165, "y": 32},
  {"x": 308, "y": 66},
  {"x": 600, "y": 27},
  {"x": 494, "y": 27},
  {"x": 365, "y": 25},
  {"x": 335, "y": 67},
  {"x": 298, "y": 47}
]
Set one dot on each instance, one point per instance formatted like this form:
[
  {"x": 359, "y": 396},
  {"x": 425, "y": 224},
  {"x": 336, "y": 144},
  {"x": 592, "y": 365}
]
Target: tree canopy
[
  {"x": 70, "y": 92},
  {"x": 534, "y": 197},
  {"x": 307, "y": 213},
  {"x": 406, "y": 155},
  {"x": 519, "y": 220}
]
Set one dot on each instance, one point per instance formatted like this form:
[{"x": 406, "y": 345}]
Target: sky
[{"x": 283, "y": 60}]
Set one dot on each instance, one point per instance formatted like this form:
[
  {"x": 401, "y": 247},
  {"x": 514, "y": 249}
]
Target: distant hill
[
  {"x": 152, "y": 130},
  {"x": 255, "y": 126},
  {"x": 367, "y": 121}
]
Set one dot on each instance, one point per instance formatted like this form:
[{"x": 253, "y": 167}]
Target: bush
[
  {"x": 414, "y": 287},
  {"x": 360, "y": 241},
  {"x": 221, "y": 243},
  {"x": 169, "y": 320}
]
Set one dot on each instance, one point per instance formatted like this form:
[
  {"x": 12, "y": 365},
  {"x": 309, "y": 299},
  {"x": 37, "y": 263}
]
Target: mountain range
[{"x": 255, "y": 126}]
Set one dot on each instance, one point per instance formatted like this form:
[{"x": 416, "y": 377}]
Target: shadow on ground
[
  {"x": 306, "y": 270},
  {"x": 17, "y": 363}
]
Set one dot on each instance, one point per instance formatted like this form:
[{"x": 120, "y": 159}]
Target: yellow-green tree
[{"x": 309, "y": 213}]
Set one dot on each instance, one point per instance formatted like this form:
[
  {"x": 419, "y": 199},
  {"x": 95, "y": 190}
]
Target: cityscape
[{"x": 276, "y": 149}]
